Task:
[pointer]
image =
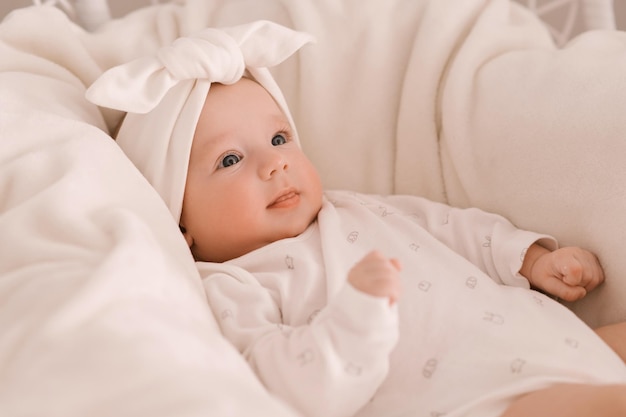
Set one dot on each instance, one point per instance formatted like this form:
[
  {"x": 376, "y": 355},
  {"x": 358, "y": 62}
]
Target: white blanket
[
  {"x": 102, "y": 312},
  {"x": 469, "y": 101}
]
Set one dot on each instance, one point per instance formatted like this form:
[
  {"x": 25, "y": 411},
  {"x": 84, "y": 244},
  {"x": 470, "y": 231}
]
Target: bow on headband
[
  {"x": 164, "y": 94},
  {"x": 217, "y": 55}
]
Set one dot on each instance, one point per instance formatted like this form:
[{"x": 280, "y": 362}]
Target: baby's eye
[
  {"x": 230, "y": 159},
  {"x": 279, "y": 140}
]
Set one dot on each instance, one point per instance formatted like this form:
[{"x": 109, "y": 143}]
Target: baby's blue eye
[
  {"x": 278, "y": 140},
  {"x": 230, "y": 159}
]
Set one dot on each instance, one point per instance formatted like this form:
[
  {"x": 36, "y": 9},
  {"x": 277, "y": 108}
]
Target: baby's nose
[{"x": 274, "y": 163}]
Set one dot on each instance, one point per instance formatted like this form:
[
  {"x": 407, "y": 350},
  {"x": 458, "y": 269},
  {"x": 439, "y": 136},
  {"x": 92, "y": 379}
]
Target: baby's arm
[
  {"x": 328, "y": 367},
  {"x": 493, "y": 243},
  {"x": 568, "y": 273}
]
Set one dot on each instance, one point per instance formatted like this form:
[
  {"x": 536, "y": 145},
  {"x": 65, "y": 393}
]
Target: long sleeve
[
  {"x": 328, "y": 367},
  {"x": 488, "y": 240}
]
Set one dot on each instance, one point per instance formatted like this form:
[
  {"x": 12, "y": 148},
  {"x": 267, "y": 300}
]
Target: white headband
[{"x": 164, "y": 94}]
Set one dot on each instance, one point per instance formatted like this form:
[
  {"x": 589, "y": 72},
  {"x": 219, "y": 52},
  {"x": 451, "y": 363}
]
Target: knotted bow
[
  {"x": 215, "y": 55},
  {"x": 164, "y": 94}
]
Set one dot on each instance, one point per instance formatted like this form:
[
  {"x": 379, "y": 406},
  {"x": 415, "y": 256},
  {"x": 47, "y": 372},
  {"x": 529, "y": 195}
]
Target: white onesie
[{"x": 457, "y": 343}]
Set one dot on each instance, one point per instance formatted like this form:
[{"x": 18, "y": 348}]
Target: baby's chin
[
  {"x": 220, "y": 256},
  {"x": 289, "y": 233},
  {"x": 298, "y": 228},
  {"x": 219, "y": 253}
]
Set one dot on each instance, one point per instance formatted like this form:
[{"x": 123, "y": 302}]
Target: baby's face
[{"x": 248, "y": 183}]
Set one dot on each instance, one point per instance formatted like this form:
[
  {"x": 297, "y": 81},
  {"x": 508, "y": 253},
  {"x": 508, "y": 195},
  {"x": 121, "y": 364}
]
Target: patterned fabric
[{"x": 458, "y": 343}]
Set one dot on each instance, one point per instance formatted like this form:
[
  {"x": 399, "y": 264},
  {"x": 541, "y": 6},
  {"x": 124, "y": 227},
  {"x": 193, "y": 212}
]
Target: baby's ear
[{"x": 186, "y": 235}]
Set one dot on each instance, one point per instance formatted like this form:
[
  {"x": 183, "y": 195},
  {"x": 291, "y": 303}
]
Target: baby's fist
[
  {"x": 377, "y": 275},
  {"x": 568, "y": 273}
]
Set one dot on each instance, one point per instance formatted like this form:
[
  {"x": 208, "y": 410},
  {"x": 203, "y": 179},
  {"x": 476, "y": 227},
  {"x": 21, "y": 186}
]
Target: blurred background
[{"x": 564, "y": 16}]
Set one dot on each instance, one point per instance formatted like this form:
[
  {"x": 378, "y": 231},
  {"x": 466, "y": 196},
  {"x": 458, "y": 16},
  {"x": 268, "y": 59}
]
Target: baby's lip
[{"x": 285, "y": 198}]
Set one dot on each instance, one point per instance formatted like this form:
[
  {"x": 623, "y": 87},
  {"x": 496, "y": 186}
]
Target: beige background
[{"x": 120, "y": 7}]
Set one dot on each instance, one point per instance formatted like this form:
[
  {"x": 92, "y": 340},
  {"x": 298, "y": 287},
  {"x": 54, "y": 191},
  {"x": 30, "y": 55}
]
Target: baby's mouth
[{"x": 289, "y": 198}]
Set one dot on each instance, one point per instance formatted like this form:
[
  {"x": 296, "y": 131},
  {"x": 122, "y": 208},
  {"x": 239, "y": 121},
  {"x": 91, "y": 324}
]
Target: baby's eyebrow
[
  {"x": 281, "y": 118},
  {"x": 211, "y": 144}
]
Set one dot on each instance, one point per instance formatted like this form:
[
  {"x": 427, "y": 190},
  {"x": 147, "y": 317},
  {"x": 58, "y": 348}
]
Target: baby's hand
[
  {"x": 377, "y": 275},
  {"x": 568, "y": 273}
]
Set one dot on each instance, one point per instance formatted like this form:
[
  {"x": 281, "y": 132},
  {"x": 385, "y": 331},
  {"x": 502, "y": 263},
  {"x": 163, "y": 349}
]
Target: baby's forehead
[
  {"x": 242, "y": 100},
  {"x": 244, "y": 89},
  {"x": 232, "y": 113}
]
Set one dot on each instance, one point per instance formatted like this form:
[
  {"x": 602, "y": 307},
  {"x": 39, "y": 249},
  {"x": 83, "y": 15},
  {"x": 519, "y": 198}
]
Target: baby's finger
[
  {"x": 396, "y": 264},
  {"x": 571, "y": 271},
  {"x": 594, "y": 272},
  {"x": 562, "y": 290},
  {"x": 584, "y": 270}
]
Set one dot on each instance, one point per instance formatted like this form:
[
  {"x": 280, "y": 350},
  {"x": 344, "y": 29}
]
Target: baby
[{"x": 344, "y": 303}]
